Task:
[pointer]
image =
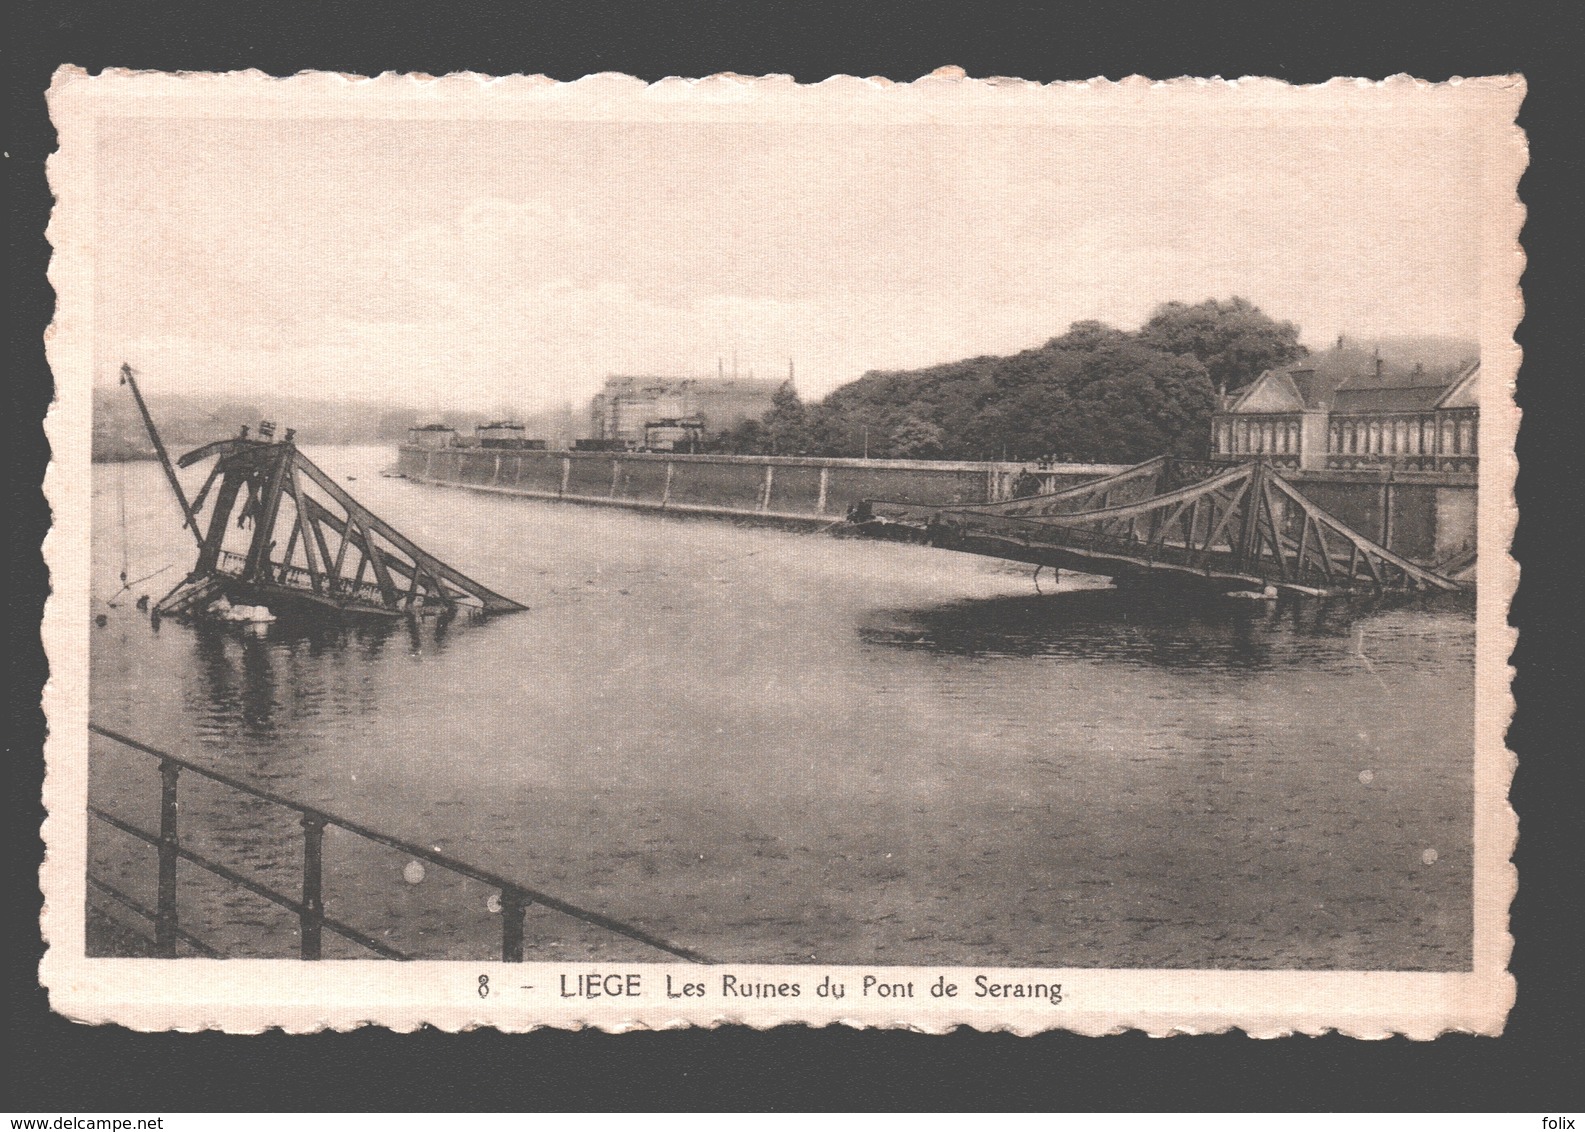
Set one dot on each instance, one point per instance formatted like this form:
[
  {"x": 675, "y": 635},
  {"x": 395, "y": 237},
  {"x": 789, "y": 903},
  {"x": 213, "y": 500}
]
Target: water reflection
[
  {"x": 249, "y": 682},
  {"x": 237, "y": 679},
  {"x": 1144, "y": 625}
]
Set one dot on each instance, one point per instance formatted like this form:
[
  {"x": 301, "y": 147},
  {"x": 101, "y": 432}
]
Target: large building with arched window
[{"x": 1359, "y": 407}]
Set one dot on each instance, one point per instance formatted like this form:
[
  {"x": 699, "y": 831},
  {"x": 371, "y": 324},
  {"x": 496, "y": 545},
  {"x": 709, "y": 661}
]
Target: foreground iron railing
[{"x": 309, "y": 905}]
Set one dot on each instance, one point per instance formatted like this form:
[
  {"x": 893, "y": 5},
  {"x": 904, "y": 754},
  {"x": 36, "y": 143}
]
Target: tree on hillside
[
  {"x": 785, "y": 423},
  {"x": 1234, "y": 339},
  {"x": 915, "y": 439},
  {"x": 1094, "y": 393},
  {"x": 1134, "y": 401},
  {"x": 746, "y": 438}
]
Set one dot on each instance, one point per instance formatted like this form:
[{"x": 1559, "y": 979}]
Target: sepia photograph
[{"x": 890, "y": 554}]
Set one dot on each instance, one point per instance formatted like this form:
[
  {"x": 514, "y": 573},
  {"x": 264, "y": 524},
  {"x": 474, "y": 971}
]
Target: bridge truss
[
  {"x": 338, "y": 555},
  {"x": 1239, "y": 526}
]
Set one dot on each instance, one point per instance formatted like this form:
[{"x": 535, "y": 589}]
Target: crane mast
[{"x": 129, "y": 379}]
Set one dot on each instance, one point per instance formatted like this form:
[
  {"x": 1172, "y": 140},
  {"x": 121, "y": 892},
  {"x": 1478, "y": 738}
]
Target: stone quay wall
[
  {"x": 1429, "y": 517},
  {"x": 773, "y": 487}
]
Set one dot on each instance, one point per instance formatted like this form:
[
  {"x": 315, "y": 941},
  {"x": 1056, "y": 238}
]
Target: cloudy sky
[{"x": 449, "y": 264}]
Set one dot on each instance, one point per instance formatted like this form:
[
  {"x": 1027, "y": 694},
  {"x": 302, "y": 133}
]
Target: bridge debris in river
[
  {"x": 1234, "y": 525},
  {"x": 385, "y": 573}
]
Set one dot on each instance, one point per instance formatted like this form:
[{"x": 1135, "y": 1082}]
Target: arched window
[
  {"x": 1373, "y": 438},
  {"x": 1447, "y": 438},
  {"x": 1270, "y": 439},
  {"x": 1334, "y": 439},
  {"x": 1465, "y": 442}
]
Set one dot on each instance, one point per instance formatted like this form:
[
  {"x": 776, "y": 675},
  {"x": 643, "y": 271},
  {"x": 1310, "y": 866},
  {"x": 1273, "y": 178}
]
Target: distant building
[
  {"x": 674, "y": 435},
  {"x": 1356, "y": 407},
  {"x": 505, "y": 434},
  {"x": 627, "y": 405},
  {"x": 433, "y": 436}
]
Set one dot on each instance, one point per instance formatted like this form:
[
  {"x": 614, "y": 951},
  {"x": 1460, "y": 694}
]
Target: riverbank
[{"x": 791, "y": 489}]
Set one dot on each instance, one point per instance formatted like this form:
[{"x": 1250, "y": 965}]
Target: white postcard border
[{"x": 250, "y": 996}]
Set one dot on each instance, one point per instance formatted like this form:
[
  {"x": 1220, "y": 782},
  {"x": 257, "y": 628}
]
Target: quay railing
[
  {"x": 1424, "y": 462},
  {"x": 308, "y": 903}
]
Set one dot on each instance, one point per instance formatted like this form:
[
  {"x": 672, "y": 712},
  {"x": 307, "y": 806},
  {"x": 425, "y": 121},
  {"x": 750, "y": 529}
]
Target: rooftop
[{"x": 1390, "y": 375}]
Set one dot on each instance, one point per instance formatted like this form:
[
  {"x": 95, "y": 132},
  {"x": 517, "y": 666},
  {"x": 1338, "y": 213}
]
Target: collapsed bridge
[
  {"x": 268, "y": 485},
  {"x": 1233, "y": 526}
]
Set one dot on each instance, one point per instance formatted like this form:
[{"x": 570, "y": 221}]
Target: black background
[{"x": 57, "y": 1066}]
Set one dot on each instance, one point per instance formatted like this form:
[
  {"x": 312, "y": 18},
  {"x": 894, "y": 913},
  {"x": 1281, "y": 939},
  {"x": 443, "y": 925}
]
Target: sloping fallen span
[
  {"x": 1239, "y": 526},
  {"x": 338, "y": 558}
]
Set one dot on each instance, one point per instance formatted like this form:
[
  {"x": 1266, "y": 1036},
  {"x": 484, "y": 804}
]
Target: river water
[{"x": 775, "y": 746}]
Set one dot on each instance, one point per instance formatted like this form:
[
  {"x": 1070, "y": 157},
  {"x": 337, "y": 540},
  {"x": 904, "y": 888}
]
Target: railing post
[
  {"x": 312, "y": 916},
  {"x": 765, "y": 490},
  {"x": 512, "y": 905},
  {"x": 169, "y": 848}
]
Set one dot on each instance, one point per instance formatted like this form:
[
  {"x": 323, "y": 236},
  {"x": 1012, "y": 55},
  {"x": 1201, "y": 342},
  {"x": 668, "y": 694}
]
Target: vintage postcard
[{"x": 906, "y": 555}]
